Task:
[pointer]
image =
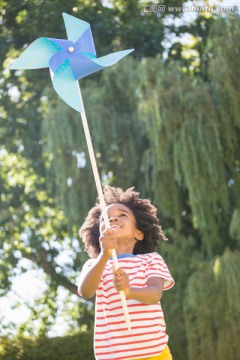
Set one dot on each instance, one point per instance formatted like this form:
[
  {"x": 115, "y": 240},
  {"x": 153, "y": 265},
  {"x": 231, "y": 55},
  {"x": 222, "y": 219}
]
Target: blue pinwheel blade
[
  {"x": 37, "y": 55},
  {"x": 111, "y": 59},
  {"x": 84, "y": 65},
  {"x": 66, "y": 86},
  {"x": 79, "y": 30}
]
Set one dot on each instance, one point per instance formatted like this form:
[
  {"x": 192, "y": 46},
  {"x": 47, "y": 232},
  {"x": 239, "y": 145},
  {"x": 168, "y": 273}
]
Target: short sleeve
[
  {"x": 158, "y": 268},
  {"x": 88, "y": 264}
]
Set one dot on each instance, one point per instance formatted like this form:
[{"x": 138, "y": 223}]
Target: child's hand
[
  {"x": 121, "y": 281},
  {"x": 108, "y": 242}
]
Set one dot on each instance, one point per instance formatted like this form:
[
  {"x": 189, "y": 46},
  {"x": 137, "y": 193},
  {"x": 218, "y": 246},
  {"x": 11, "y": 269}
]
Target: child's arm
[
  {"x": 150, "y": 294},
  {"x": 91, "y": 280},
  {"x": 89, "y": 283}
]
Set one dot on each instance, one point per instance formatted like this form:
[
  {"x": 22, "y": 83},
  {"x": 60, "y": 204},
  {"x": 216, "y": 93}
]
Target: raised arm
[{"x": 90, "y": 281}]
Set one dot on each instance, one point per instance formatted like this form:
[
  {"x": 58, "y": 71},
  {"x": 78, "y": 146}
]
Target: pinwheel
[{"x": 70, "y": 60}]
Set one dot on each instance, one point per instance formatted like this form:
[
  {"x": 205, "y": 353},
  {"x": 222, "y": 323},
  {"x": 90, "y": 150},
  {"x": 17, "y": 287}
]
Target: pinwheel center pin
[{"x": 71, "y": 49}]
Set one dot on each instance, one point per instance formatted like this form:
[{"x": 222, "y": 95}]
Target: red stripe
[
  {"x": 131, "y": 343},
  {"x": 157, "y": 270},
  {"x": 127, "y": 350},
  {"x": 132, "y": 320},
  {"x": 143, "y": 278},
  {"x": 113, "y": 323},
  {"x": 110, "y": 295},
  {"x": 130, "y": 313},
  {"x": 107, "y": 282},
  {"x": 112, "y": 309},
  {"x": 129, "y": 306},
  {"x": 132, "y": 327},
  {"x": 117, "y": 307},
  {"x": 128, "y": 336},
  {"x": 108, "y": 303},
  {"x": 169, "y": 286}
]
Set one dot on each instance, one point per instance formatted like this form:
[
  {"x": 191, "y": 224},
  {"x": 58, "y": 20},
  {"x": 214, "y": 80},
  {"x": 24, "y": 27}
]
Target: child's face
[{"x": 123, "y": 222}]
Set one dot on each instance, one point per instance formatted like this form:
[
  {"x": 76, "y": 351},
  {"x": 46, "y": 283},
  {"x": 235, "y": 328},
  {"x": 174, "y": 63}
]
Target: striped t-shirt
[{"x": 147, "y": 337}]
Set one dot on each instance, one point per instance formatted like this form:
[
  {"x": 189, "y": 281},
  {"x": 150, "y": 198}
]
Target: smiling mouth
[{"x": 115, "y": 226}]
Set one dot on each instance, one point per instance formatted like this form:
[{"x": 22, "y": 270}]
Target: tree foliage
[
  {"x": 211, "y": 321},
  {"x": 72, "y": 347}
]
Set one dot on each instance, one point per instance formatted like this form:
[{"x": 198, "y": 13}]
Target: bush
[{"x": 75, "y": 347}]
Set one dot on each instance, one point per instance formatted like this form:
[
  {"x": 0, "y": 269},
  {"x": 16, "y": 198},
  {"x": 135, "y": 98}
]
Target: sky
[
  {"x": 25, "y": 289},
  {"x": 31, "y": 284}
]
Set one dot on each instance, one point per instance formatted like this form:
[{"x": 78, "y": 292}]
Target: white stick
[{"x": 101, "y": 199}]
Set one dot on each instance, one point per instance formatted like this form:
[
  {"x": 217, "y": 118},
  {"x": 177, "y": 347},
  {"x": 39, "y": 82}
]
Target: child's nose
[{"x": 113, "y": 218}]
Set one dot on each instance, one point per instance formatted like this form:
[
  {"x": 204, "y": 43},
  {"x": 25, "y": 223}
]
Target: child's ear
[{"x": 139, "y": 235}]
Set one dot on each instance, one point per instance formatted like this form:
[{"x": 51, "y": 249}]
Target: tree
[
  {"x": 32, "y": 221},
  {"x": 184, "y": 119},
  {"x": 211, "y": 309}
]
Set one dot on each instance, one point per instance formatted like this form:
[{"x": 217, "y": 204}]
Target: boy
[{"x": 143, "y": 275}]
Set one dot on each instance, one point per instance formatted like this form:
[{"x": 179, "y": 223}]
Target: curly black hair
[{"x": 143, "y": 210}]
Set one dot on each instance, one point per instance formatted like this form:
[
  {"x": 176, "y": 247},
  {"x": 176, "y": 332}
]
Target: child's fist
[
  {"x": 108, "y": 241},
  {"x": 121, "y": 280}
]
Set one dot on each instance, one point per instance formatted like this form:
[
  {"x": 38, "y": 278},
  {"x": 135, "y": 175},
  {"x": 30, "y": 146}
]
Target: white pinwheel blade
[
  {"x": 66, "y": 86},
  {"x": 37, "y": 55}
]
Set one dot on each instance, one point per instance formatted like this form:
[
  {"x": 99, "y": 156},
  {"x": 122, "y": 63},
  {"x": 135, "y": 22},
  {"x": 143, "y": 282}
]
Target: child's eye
[{"x": 123, "y": 215}]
